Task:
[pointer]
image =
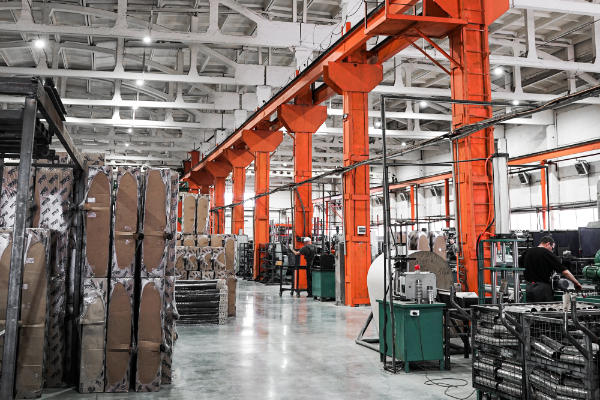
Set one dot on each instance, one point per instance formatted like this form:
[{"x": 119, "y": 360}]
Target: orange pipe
[
  {"x": 447, "y": 200},
  {"x": 544, "y": 194},
  {"x": 413, "y": 203}
]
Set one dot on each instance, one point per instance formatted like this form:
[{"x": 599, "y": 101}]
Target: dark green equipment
[
  {"x": 419, "y": 332},
  {"x": 323, "y": 284}
]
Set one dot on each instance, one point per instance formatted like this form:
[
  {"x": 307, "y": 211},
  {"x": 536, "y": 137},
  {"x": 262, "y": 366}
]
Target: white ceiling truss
[{"x": 211, "y": 63}]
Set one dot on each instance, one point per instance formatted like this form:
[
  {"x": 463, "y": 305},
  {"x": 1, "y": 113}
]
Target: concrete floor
[{"x": 286, "y": 348}]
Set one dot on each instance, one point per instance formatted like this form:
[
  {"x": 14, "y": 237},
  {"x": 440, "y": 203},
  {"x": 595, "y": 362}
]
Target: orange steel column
[
  {"x": 303, "y": 119},
  {"x": 413, "y": 204},
  {"x": 239, "y": 159},
  {"x": 261, "y": 143},
  {"x": 447, "y": 200},
  {"x": 544, "y": 193},
  {"x": 470, "y": 80},
  {"x": 220, "y": 169},
  {"x": 354, "y": 80}
]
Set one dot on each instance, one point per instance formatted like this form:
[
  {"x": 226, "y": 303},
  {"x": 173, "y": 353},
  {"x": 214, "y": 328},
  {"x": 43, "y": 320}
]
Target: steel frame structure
[
  {"x": 38, "y": 98},
  {"x": 350, "y": 69}
]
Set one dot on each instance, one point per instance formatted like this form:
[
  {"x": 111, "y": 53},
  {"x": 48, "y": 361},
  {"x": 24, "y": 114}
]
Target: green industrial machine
[
  {"x": 419, "y": 331},
  {"x": 323, "y": 283}
]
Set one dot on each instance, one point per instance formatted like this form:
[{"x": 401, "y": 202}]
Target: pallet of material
[
  {"x": 201, "y": 302},
  {"x": 34, "y": 309}
]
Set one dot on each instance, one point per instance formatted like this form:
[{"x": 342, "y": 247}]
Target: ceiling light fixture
[
  {"x": 403, "y": 144},
  {"x": 129, "y": 130},
  {"x": 147, "y": 39},
  {"x": 39, "y": 43},
  {"x": 126, "y": 144},
  {"x": 377, "y": 124},
  {"x": 515, "y": 102},
  {"x": 498, "y": 71},
  {"x": 423, "y": 104},
  {"x": 139, "y": 82}
]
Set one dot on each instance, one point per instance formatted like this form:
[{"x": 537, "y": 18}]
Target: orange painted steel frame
[
  {"x": 469, "y": 45},
  {"x": 220, "y": 169},
  {"x": 348, "y": 69},
  {"x": 239, "y": 159},
  {"x": 302, "y": 119},
  {"x": 354, "y": 80},
  {"x": 261, "y": 143}
]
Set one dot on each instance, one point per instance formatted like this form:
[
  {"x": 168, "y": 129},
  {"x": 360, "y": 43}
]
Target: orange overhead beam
[
  {"x": 352, "y": 42},
  {"x": 565, "y": 151}
]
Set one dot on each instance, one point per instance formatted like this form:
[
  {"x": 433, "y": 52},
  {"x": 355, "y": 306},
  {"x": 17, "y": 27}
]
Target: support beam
[
  {"x": 302, "y": 119},
  {"x": 354, "y": 80},
  {"x": 220, "y": 169},
  {"x": 470, "y": 46},
  {"x": 447, "y": 201},
  {"x": 239, "y": 159},
  {"x": 262, "y": 143}
]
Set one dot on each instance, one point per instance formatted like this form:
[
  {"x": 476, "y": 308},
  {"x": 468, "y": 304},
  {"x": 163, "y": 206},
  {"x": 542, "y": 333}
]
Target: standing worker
[
  {"x": 540, "y": 263},
  {"x": 308, "y": 251}
]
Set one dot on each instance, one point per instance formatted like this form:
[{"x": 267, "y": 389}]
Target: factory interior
[{"x": 300, "y": 199}]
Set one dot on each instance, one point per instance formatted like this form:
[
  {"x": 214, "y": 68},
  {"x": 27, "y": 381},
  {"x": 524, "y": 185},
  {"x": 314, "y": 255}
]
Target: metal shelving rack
[
  {"x": 41, "y": 102},
  {"x": 504, "y": 264}
]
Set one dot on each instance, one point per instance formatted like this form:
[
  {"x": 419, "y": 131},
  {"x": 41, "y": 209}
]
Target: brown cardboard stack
[
  {"x": 188, "y": 213},
  {"x": 96, "y": 256},
  {"x": 202, "y": 214},
  {"x": 34, "y": 308},
  {"x": 155, "y": 328},
  {"x": 119, "y": 326}
]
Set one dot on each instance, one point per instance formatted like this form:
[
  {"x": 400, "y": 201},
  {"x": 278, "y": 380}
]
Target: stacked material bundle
[
  {"x": 523, "y": 352},
  {"x": 224, "y": 266},
  {"x": 35, "y": 308},
  {"x": 96, "y": 257},
  {"x": 125, "y": 279},
  {"x": 201, "y": 301}
]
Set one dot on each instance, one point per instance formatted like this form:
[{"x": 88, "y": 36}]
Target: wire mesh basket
[{"x": 561, "y": 358}]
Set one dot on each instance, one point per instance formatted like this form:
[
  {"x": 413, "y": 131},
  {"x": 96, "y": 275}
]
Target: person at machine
[
  {"x": 540, "y": 264},
  {"x": 308, "y": 251}
]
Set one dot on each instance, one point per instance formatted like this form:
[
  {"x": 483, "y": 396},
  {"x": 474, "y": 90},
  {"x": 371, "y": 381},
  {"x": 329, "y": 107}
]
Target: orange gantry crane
[{"x": 351, "y": 69}]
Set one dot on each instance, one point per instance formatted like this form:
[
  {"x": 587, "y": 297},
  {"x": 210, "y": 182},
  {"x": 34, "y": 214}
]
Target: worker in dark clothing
[
  {"x": 308, "y": 251},
  {"x": 540, "y": 264}
]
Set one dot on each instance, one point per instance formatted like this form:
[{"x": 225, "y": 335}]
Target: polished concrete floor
[{"x": 287, "y": 348}]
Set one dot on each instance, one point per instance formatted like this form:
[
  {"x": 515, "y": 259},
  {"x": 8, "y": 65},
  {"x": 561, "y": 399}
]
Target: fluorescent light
[
  {"x": 139, "y": 82},
  {"x": 147, "y": 39},
  {"x": 515, "y": 102},
  {"x": 403, "y": 144},
  {"x": 498, "y": 71},
  {"x": 135, "y": 107},
  {"x": 129, "y": 130},
  {"x": 423, "y": 104},
  {"x": 126, "y": 144},
  {"x": 39, "y": 43},
  {"x": 377, "y": 124}
]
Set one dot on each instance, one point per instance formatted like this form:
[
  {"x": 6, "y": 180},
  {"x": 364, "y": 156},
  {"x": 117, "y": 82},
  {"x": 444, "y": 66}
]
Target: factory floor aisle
[{"x": 286, "y": 348}]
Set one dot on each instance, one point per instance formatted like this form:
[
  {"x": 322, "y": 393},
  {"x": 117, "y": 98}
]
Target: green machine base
[
  {"x": 419, "y": 332},
  {"x": 323, "y": 284}
]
